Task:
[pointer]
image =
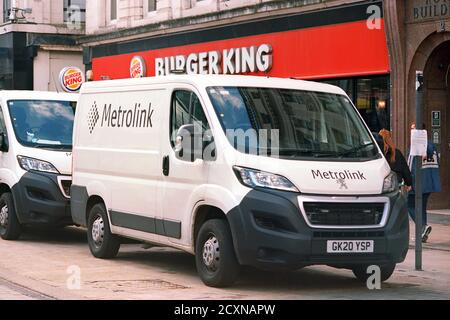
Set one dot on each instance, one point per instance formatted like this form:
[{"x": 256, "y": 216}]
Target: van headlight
[
  {"x": 259, "y": 179},
  {"x": 31, "y": 164},
  {"x": 390, "y": 183}
]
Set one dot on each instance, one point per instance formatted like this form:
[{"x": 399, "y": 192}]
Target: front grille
[
  {"x": 344, "y": 214},
  {"x": 65, "y": 187}
]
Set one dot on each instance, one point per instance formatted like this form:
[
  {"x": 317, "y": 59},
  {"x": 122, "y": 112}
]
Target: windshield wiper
[
  {"x": 307, "y": 153},
  {"x": 54, "y": 147},
  {"x": 354, "y": 150}
]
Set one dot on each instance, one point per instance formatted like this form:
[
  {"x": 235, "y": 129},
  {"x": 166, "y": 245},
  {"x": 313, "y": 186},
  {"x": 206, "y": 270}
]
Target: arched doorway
[{"x": 437, "y": 115}]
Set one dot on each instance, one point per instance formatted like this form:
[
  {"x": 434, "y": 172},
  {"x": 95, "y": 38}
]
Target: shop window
[
  {"x": 371, "y": 96},
  {"x": 74, "y": 10},
  {"x": 372, "y": 101}
]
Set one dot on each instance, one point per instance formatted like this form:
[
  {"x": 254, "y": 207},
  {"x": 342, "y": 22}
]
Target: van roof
[
  {"x": 217, "y": 80},
  {"x": 36, "y": 95}
]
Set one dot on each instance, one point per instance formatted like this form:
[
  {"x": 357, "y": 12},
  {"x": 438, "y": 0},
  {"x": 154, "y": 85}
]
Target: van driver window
[{"x": 186, "y": 109}]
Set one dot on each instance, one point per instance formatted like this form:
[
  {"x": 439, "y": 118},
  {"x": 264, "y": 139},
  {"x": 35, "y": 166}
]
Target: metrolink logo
[
  {"x": 339, "y": 175},
  {"x": 120, "y": 117}
]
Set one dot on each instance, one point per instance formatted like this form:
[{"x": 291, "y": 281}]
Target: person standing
[
  {"x": 431, "y": 183},
  {"x": 396, "y": 160}
]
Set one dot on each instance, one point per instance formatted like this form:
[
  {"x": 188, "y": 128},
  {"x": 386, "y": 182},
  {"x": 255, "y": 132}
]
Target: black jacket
[{"x": 400, "y": 167}]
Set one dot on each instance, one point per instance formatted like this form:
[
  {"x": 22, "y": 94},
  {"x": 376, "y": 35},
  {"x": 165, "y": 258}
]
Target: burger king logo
[
  {"x": 71, "y": 79},
  {"x": 137, "y": 67}
]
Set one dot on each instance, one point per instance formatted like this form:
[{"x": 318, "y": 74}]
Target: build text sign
[{"x": 424, "y": 10}]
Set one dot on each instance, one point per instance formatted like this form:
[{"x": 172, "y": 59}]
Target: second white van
[
  {"x": 35, "y": 159},
  {"x": 237, "y": 170}
]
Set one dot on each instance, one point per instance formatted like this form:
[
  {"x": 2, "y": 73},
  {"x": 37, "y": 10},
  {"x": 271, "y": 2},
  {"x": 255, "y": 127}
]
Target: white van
[
  {"x": 281, "y": 174},
  {"x": 35, "y": 159}
]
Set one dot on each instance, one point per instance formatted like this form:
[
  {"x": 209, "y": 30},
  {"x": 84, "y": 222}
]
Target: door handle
[{"x": 166, "y": 166}]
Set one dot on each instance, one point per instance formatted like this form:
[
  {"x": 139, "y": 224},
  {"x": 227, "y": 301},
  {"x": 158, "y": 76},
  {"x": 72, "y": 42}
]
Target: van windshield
[
  {"x": 292, "y": 124},
  {"x": 43, "y": 124}
]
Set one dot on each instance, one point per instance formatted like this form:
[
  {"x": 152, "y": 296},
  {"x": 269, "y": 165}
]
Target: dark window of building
[
  {"x": 6, "y": 8},
  {"x": 74, "y": 11},
  {"x": 151, "y": 5},
  {"x": 113, "y": 13},
  {"x": 371, "y": 95}
]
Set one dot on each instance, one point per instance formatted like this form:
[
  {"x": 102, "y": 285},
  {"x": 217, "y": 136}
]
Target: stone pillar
[
  {"x": 96, "y": 15},
  {"x": 394, "y": 17}
]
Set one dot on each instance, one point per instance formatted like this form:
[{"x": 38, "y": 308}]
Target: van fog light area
[{"x": 272, "y": 223}]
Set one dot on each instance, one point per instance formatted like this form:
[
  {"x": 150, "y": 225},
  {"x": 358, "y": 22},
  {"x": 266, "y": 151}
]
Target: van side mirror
[
  {"x": 3, "y": 142},
  {"x": 188, "y": 143},
  {"x": 191, "y": 144}
]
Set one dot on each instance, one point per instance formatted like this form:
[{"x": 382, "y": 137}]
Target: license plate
[{"x": 350, "y": 246}]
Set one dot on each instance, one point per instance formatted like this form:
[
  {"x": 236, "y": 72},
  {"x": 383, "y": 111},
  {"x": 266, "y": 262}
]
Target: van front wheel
[
  {"x": 214, "y": 255},
  {"x": 102, "y": 243},
  {"x": 10, "y": 228}
]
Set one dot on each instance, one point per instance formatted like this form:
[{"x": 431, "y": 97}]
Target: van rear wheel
[
  {"x": 10, "y": 228},
  {"x": 214, "y": 255},
  {"x": 102, "y": 243},
  {"x": 361, "y": 274}
]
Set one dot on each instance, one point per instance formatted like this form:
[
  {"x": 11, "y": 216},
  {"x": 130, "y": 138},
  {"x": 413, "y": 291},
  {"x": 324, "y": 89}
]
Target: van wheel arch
[
  {"x": 203, "y": 214},
  {"x": 92, "y": 201},
  {"x": 4, "y": 188}
]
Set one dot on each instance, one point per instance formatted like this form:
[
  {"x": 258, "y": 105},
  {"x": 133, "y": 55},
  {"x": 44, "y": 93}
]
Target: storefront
[
  {"x": 419, "y": 36},
  {"x": 32, "y": 61},
  {"x": 16, "y": 62},
  {"x": 344, "y": 45}
]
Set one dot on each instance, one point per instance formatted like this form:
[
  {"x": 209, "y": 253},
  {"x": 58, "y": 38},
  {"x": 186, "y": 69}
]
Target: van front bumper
[
  {"x": 39, "y": 200},
  {"x": 269, "y": 231}
]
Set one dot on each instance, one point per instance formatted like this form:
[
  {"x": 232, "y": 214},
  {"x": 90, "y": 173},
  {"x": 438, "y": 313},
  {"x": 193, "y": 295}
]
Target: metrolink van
[
  {"x": 35, "y": 159},
  {"x": 237, "y": 170}
]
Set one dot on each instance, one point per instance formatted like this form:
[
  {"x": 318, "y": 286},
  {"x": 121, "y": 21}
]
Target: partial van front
[
  {"x": 35, "y": 160},
  {"x": 315, "y": 188}
]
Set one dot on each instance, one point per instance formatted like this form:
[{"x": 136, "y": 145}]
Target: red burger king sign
[
  {"x": 71, "y": 79},
  {"x": 137, "y": 67}
]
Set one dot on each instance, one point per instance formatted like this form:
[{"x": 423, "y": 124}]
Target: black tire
[
  {"x": 223, "y": 270},
  {"x": 103, "y": 245},
  {"x": 387, "y": 271},
  {"x": 10, "y": 228}
]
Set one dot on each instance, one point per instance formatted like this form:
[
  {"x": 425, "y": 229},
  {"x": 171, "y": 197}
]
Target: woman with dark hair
[{"x": 396, "y": 159}]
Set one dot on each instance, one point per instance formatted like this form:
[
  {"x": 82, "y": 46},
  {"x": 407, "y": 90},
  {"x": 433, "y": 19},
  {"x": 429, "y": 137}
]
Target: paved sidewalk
[
  {"x": 12, "y": 291},
  {"x": 440, "y": 236},
  {"x": 440, "y": 212}
]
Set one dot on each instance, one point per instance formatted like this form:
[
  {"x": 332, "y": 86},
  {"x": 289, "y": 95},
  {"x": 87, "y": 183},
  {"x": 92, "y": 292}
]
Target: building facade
[
  {"x": 418, "y": 36},
  {"x": 372, "y": 49},
  {"x": 37, "y": 40}
]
